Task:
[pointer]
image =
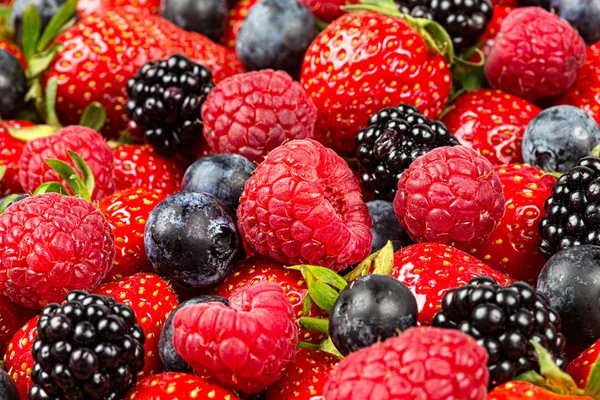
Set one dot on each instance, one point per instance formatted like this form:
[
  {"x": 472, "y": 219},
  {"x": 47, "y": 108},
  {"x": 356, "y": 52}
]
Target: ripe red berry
[
  {"x": 449, "y": 195},
  {"x": 536, "y": 55},
  {"x": 245, "y": 346},
  {"x": 421, "y": 363},
  {"x": 10, "y": 152},
  {"x": 87, "y": 143},
  {"x": 50, "y": 245},
  {"x": 581, "y": 367},
  {"x": 303, "y": 206},
  {"x": 175, "y": 386},
  {"x": 19, "y": 358},
  {"x": 516, "y": 390},
  {"x": 235, "y": 18},
  {"x": 327, "y": 10},
  {"x": 251, "y": 114},
  {"x": 12, "y": 317}
]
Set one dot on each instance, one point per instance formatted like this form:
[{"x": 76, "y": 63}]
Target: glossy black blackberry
[
  {"x": 89, "y": 347},
  {"x": 165, "y": 98},
  {"x": 573, "y": 210},
  {"x": 395, "y": 137},
  {"x": 504, "y": 320},
  {"x": 464, "y": 20}
]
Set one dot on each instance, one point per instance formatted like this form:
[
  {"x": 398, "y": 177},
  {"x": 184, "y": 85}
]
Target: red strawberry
[
  {"x": 140, "y": 166},
  {"x": 152, "y": 299},
  {"x": 12, "y": 317},
  {"x": 18, "y": 358},
  {"x": 305, "y": 377},
  {"x": 364, "y": 62},
  {"x": 252, "y": 270},
  {"x": 430, "y": 269},
  {"x": 581, "y": 367},
  {"x": 492, "y": 123},
  {"x": 127, "y": 212},
  {"x": 178, "y": 386},
  {"x": 528, "y": 391},
  {"x": 15, "y": 50},
  {"x": 87, "y": 7},
  {"x": 512, "y": 247},
  {"x": 234, "y": 21},
  {"x": 10, "y": 152},
  {"x": 105, "y": 49}
]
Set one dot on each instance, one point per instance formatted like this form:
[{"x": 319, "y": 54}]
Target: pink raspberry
[
  {"x": 50, "y": 245},
  {"x": 536, "y": 55},
  {"x": 450, "y": 195},
  {"x": 245, "y": 346},
  {"x": 86, "y": 142},
  {"x": 303, "y": 206},
  {"x": 251, "y": 114}
]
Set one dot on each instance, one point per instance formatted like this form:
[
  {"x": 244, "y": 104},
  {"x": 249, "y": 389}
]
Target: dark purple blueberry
[
  {"x": 13, "y": 84},
  {"x": 206, "y": 17},
  {"x": 386, "y": 226}
]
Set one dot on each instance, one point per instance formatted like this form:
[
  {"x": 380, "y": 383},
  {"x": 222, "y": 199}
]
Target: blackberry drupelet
[
  {"x": 573, "y": 209},
  {"x": 90, "y": 347},
  {"x": 464, "y": 20},
  {"x": 395, "y": 137},
  {"x": 504, "y": 320},
  {"x": 165, "y": 98}
]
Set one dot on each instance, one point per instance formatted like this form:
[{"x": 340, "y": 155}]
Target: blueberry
[
  {"x": 172, "y": 361},
  {"x": 221, "y": 175},
  {"x": 386, "y": 226},
  {"x": 558, "y": 137},
  {"x": 584, "y": 15},
  {"x": 46, "y": 8},
  {"x": 276, "y": 35},
  {"x": 203, "y": 16},
  {"x": 13, "y": 85},
  {"x": 571, "y": 281},
  {"x": 191, "y": 240},
  {"x": 8, "y": 389},
  {"x": 370, "y": 309}
]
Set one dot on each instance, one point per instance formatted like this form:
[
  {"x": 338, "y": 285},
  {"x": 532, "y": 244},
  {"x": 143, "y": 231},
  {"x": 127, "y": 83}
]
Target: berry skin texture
[
  {"x": 424, "y": 363},
  {"x": 449, "y": 195},
  {"x": 305, "y": 377},
  {"x": 492, "y": 123},
  {"x": 12, "y": 317},
  {"x": 327, "y": 10},
  {"x": 581, "y": 367},
  {"x": 13, "y": 84},
  {"x": 87, "y": 143},
  {"x": 536, "y": 55},
  {"x": 10, "y": 152},
  {"x": 51, "y": 244},
  {"x": 151, "y": 299},
  {"x": 350, "y": 76},
  {"x": 15, "y": 50},
  {"x": 19, "y": 358},
  {"x": 429, "y": 270},
  {"x": 253, "y": 113},
  {"x": 8, "y": 388},
  {"x": 512, "y": 247},
  {"x": 303, "y": 206},
  {"x": 525, "y": 391},
  {"x": 178, "y": 386},
  {"x": 235, "y": 18},
  {"x": 127, "y": 212},
  {"x": 245, "y": 346}
]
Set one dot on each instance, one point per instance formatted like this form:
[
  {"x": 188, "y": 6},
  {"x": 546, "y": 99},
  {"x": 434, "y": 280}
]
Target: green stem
[{"x": 314, "y": 324}]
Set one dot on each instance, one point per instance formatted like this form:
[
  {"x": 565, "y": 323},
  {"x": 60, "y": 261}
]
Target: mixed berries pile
[{"x": 299, "y": 199}]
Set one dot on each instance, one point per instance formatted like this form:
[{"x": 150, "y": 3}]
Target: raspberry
[
  {"x": 536, "y": 55},
  {"x": 421, "y": 363},
  {"x": 245, "y": 346},
  {"x": 50, "y": 245},
  {"x": 303, "y": 206},
  {"x": 449, "y": 195},
  {"x": 86, "y": 142},
  {"x": 251, "y": 114}
]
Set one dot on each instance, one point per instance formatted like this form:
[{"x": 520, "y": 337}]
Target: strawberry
[
  {"x": 105, "y": 49},
  {"x": 152, "y": 299},
  {"x": 15, "y": 50},
  {"x": 12, "y": 317},
  {"x": 581, "y": 367},
  {"x": 430, "y": 269},
  {"x": 364, "y": 62},
  {"x": 87, "y": 7},
  {"x": 512, "y": 248},
  {"x": 305, "y": 377},
  {"x": 235, "y": 19},
  {"x": 10, "y": 152},
  {"x": 528, "y": 391},
  {"x": 126, "y": 212},
  {"x": 255, "y": 269},
  {"x": 492, "y": 123},
  {"x": 178, "y": 386},
  {"x": 139, "y": 166},
  {"x": 18, "y": 358},
  {"x": 327, "y": 10}
]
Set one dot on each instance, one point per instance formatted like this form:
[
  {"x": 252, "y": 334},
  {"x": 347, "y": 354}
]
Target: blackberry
[
  {"x": 464, "y": 20},
  {"x": 165, "y": 98},
  {"x": 573, "y": 210},
  {"x": 394, "y": 138},
  {"x": 90, "y": 347},
  {"x": 504, "y": 320}
]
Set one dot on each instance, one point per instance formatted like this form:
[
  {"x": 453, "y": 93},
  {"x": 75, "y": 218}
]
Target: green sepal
[
  {"x": 51, "y": 89},
  {"x": 94, "y": 116},
  {"x": 330, "y": 348},
  {"x": 41, "y": 61},
  {"x": 51, "y": 187},
  {"x": 306, "y": 345},
  {"x": 595, "y": 151},
  {"x": 307, "y": 305},
  {"x": 2, "y": 171},
  {"x": 32, "y": 27},
  {"x": 319, "y": 325},
  {"x": 5, "y": 13},
  {"x": 325, "y": 275},
  {"x": 7, "y": 200},
  {"x": 321, "y": 25},
  {"x": 67, "y": 172},
  {"x": 361, "y": 269},
  {"x": 593, "y": 384},
  {"x": 321, "y": 293},
  {"x": 125, "y": 138},
  {"x": 30, "y": 133},
  {"x": 384, "y": 261},
  {"x": 87, "y": 176},
  {"x": 54, "y": 27}
]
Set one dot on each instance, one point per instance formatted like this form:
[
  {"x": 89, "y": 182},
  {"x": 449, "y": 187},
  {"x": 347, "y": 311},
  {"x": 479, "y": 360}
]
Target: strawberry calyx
[{"x": 81, "y": 186}]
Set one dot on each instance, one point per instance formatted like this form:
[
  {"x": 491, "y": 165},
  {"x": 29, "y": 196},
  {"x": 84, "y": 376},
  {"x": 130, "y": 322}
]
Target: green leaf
[
  {"x": 327, "y": 276},
  {"x": 436, "y": 37},
  {"x": 7, "y": 200},
  {"x": 593, "y": 385},
  {"x": 66, "y": 12},
  {"x": 30, "y": 132},
  {"x": 534, "y": 378},
  {"x": 67, "y": 172},
  {"x": 322, "y": 294},
  {"x": 305, "y": 345},
  {"x": 51, "y": 88},
  {"x": 315, "y": 324},
  {"x": 2, "y": 171},
  {"x": 5, "y": 12},
  {"x": 307, "y": 305},
  {"x": 41, "y": 61},
  {"x": 329, "y": 347},
  {"x": 51, "y": 187},
  {"x": 384, "y": 262},
  {"x": 87, "y": 176},
  {"x": 557, "y": 379},
  {"x": 32, "y": 25},
  {"x": 94, "y": 116}
]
